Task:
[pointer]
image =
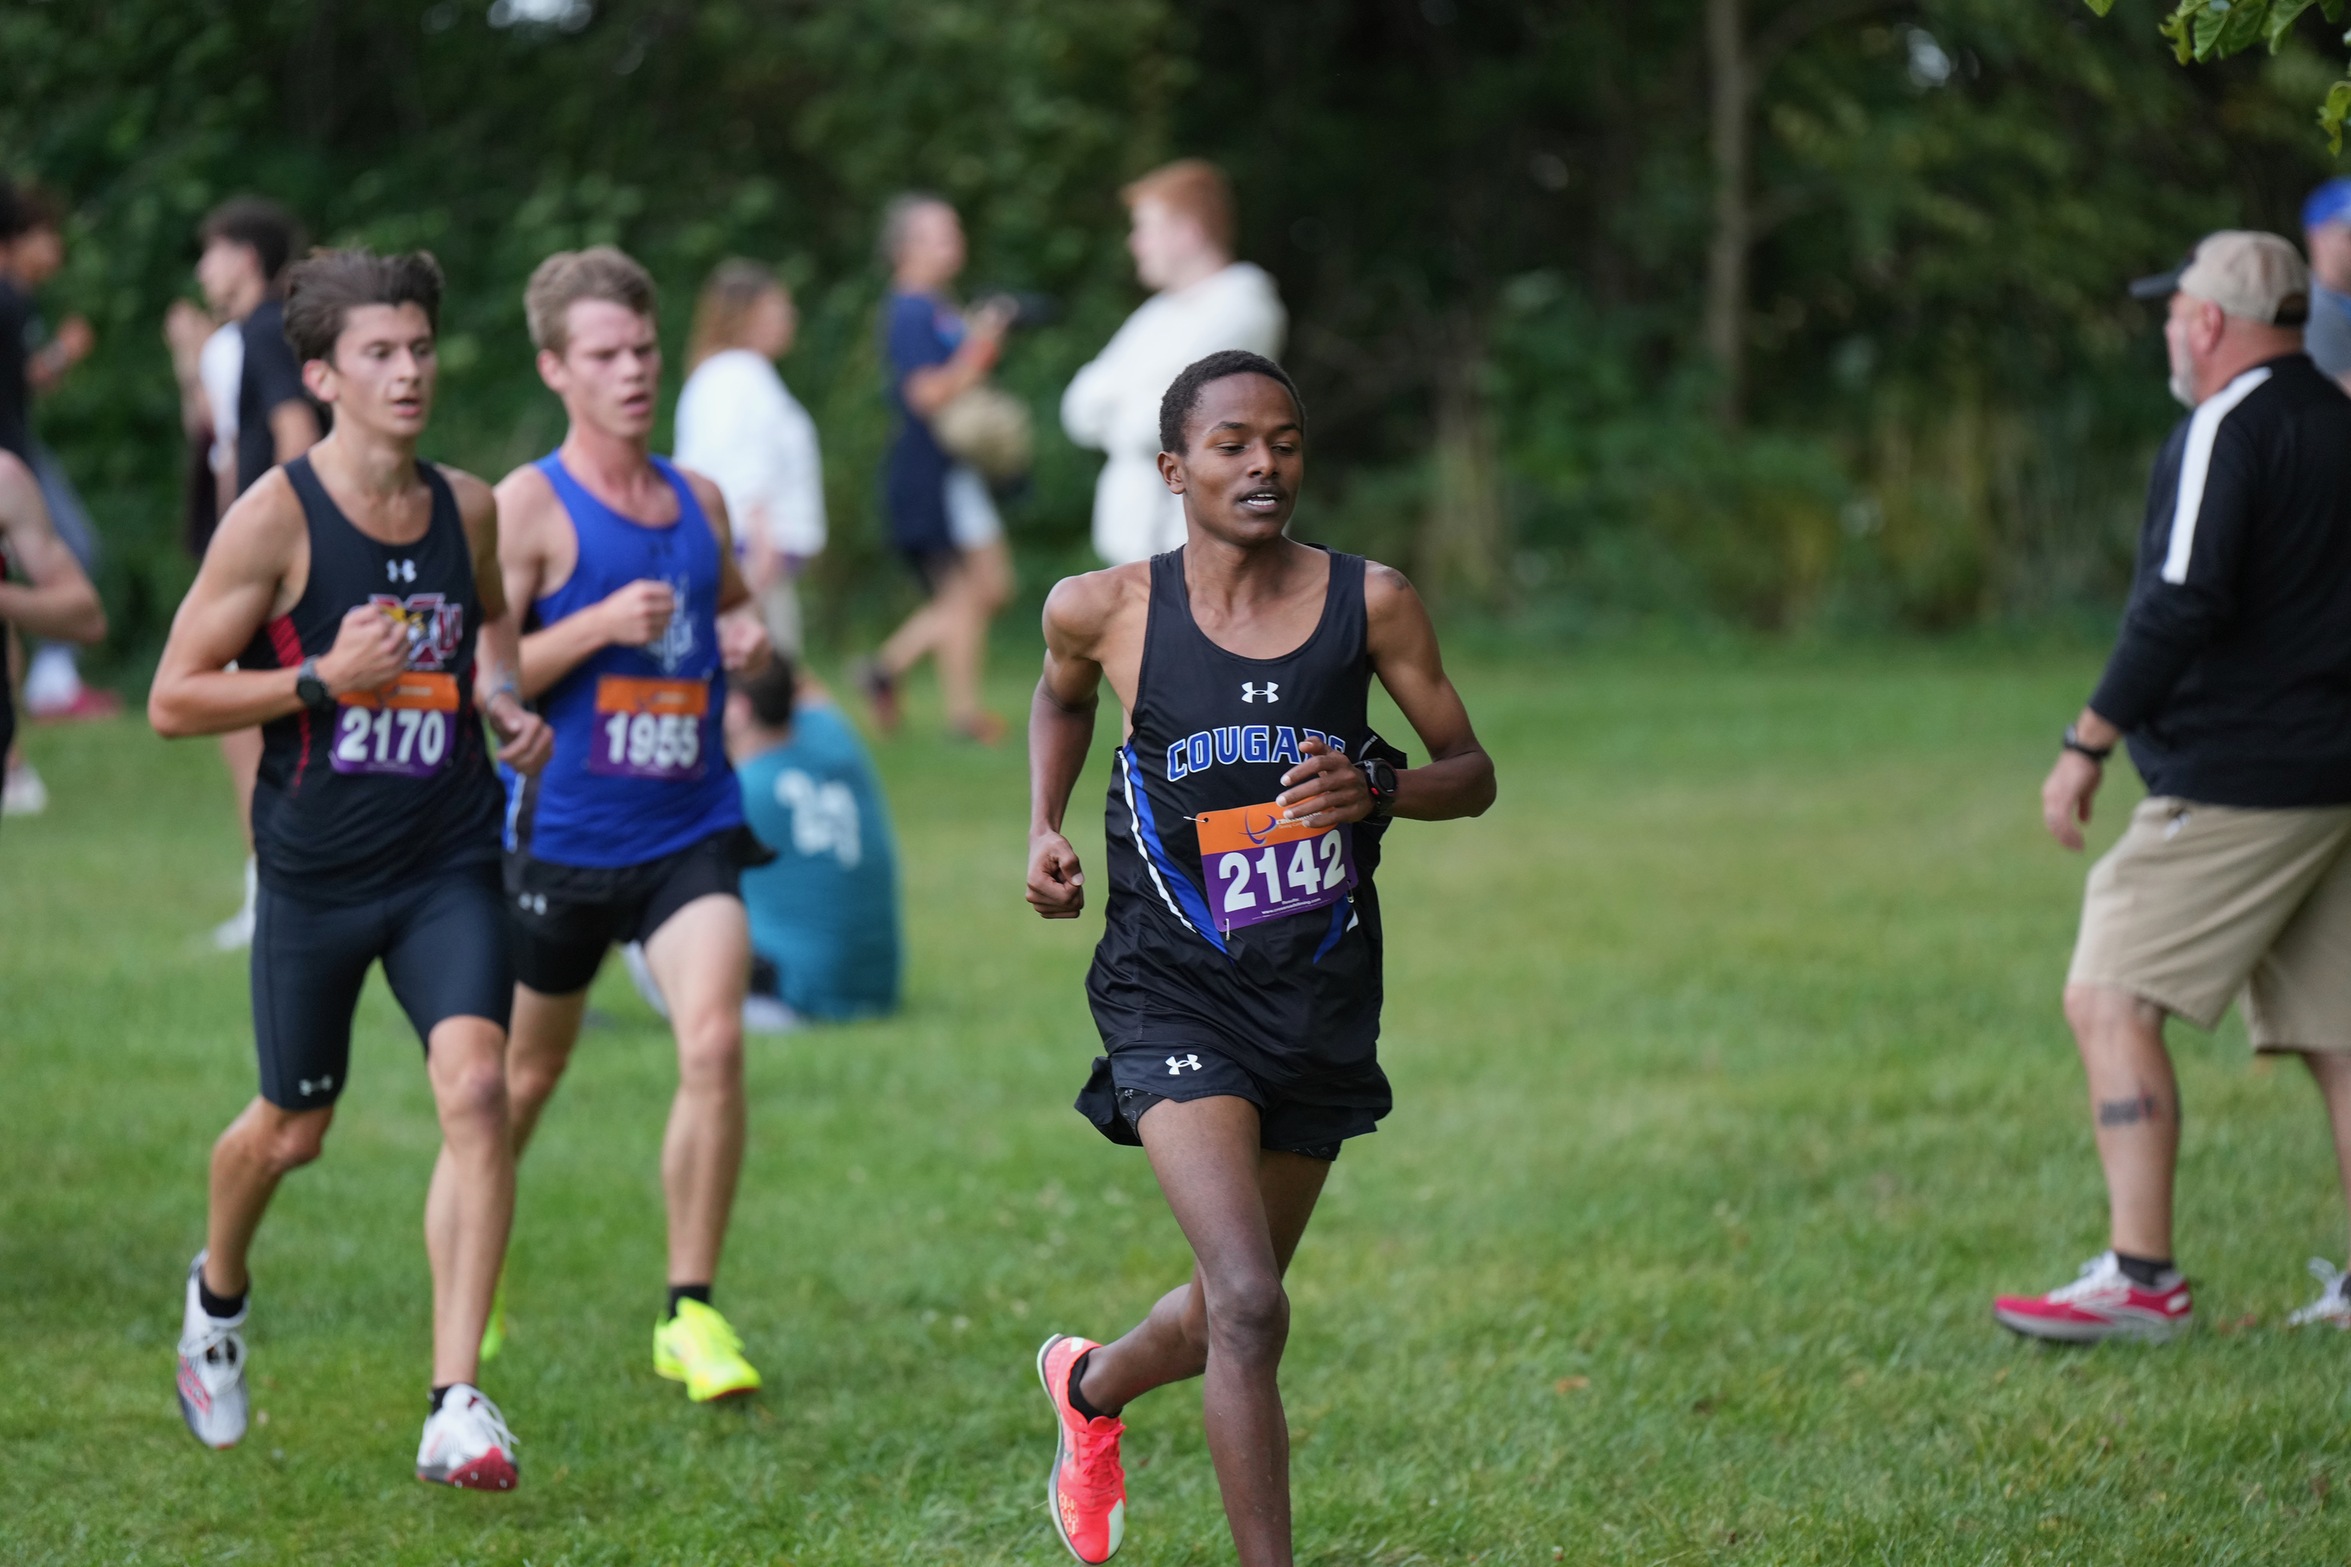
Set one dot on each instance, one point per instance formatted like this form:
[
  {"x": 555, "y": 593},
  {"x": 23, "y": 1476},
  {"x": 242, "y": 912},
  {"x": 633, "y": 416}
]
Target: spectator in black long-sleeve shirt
[{"x": 2231, "y": 680}]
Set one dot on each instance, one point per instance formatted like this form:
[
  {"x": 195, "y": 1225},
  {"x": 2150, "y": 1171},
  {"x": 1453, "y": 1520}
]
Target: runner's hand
[
  {"x": 636, "y": 614},
  {"x": 371, "y": 648},
  {"x": 1323, "y": 790},
  {"x": 2066, "y": 796},
  {"x": 525, "y": 741},
  {"x": 743, "y": 642},
  {"x": 1057, "y": 888}
]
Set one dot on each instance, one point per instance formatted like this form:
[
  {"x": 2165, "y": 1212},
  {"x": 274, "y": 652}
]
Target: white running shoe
[
  {"x": 2333, "y": 1306},
  {"x": 212, "y": 1369},
  {"x": 23, "y": 794},
  {"x": 235, "y": 933},
  {"x": 466, "y": 1443}
]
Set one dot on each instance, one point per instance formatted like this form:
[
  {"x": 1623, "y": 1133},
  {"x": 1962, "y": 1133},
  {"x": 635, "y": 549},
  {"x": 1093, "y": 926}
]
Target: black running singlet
[
  {"x": 359, "y": 798},
  {"x": 1200, "y": 944}
]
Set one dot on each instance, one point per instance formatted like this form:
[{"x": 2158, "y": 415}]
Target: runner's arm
[
  {"x": 56, "y": 599},
  {"x": 1061, "y": 729},
  {"x": 524, "y": 740},
  {"x": 630, "y": 616},
  {"x": 1458, "y": 778},
  {"x": 742, "y": 635},
  {"x": 236, "y": 592}
]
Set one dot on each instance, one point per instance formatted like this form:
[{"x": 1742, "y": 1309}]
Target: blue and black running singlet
[
  {"x": 357, "y": 800},
  {"x": 1234, "y": 932},
  {"x": 640, "y": 767}
]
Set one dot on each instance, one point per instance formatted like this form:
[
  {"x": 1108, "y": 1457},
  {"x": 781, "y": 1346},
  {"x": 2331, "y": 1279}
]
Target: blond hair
[
  {"x": 569, "y": 276},
  {"x": 722, "y": 311},
  {"x": 1196, "y": 188}
]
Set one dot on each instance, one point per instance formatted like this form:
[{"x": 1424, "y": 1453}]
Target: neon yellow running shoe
[
  {"x": 494, "y": 1330},
  {"x": 698, "y": 1348}
]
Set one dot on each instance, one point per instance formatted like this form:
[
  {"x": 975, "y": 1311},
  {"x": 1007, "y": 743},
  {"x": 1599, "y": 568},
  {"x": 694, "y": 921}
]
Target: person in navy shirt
[{"x": 942, "y": 521}]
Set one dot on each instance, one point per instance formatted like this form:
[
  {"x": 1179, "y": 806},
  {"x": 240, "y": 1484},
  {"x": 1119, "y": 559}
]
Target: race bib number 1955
[
  {"x": 649, "y": 728},
  {"x": 1260, "y": 867},
  {"x": 404, "y": 728}
]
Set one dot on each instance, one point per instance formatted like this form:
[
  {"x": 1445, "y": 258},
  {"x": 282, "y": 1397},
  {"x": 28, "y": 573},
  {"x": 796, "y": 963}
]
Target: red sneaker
[
  {"x": 1088, "y": 1489},
  {"x": 2103, "y": 1303}
]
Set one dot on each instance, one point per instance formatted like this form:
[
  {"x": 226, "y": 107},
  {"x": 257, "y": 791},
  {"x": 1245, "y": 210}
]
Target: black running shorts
[
  {"x": 442, "y": 942},
  {"x": 1304, "y": 1117},
  {"x": 565, "y": 916}
]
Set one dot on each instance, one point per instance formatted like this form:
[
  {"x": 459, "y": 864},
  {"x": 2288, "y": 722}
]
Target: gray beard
[{"x": 2183, "y": 388}]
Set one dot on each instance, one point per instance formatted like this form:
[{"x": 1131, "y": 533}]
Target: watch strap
[{"x": 2074, "y": 742}]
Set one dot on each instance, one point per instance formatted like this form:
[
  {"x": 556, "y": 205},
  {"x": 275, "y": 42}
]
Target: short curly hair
[
  {"x": 324, "y": 288},
  {"x": 1182, "y": 398}
]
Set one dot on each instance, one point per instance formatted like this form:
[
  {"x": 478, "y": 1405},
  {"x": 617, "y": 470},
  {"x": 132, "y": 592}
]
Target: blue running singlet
[{"x": 640, "y": 767}]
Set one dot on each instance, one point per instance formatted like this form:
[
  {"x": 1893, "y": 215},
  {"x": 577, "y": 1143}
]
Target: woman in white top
[
  {"x": 1183, "y": 247},
  {"x": 739, "y": 424}
]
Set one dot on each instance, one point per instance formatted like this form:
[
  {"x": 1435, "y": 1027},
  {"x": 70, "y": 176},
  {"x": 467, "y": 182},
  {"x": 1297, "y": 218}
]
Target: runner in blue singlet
[{"x": 635, "y": 833}]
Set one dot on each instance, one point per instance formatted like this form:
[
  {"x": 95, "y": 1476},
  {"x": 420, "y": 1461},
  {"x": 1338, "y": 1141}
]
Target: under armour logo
[
  {"x": 533, "y": 902},
  {"x": 321, "y": 1086},
  {"x": 1251, "y": 691},
  {"x": 400, "y": 570},
  {"x": 1176, "y": 1064}
]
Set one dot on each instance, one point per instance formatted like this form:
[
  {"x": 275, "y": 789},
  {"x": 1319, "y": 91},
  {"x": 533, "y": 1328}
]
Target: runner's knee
[
  {"x": 1249, "y": 1315},
  {"x": 710, "y": 1049},
  {"x": 287, "y": 1140}
]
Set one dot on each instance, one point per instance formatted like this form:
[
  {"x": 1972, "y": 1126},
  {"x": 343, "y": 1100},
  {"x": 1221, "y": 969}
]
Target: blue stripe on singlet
[
  {"x": 1339, "y": 912},
  {"x": 1183, "y": 899}
]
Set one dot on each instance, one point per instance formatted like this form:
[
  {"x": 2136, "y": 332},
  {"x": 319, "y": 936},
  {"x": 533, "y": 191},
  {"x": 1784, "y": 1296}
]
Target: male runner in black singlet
[
  {"x": 350, "y": 587},
  {"x": 1237, "y": 984}
]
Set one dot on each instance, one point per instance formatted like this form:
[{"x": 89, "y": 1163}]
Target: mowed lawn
[{"x": 1730, "y": 1085}]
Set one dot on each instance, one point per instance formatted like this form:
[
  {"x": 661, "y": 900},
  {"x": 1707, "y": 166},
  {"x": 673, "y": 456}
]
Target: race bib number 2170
[
  {"x": 1260, "y": 867},
  {"x": 403, "y": 729}
]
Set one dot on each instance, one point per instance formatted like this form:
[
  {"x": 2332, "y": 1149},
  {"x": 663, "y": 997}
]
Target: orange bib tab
[
  {"x": 1249, "y": 827},
  {"x": 420, "y": 690},
  {"x": 635, "y": 694}
]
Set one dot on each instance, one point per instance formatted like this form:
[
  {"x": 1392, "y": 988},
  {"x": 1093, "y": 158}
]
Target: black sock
[
  {"x": 1077, "y": 1400},
  {"x": 678, "y": 1292},
  {"x": 221, "y": 1306},
  {"x": 440, "y": 1393},
  {"x": 2145, "y": 1272}
]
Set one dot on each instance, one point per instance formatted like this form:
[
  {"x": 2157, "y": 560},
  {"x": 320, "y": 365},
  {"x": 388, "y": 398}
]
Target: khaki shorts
[{"x": 2199, "y": 902}]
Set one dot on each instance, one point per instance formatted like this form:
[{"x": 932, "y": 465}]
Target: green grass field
[{"x": 1730, "y": 1084}]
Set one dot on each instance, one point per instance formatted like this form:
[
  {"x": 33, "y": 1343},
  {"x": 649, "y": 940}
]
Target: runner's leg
[
  {"x": 1171, "y": 1344},
  {"x": 470, "y": 1206},
  {"x": 701, "y": 958},
  {"x": 1205, "y": 1153},
  {"x": 251, "y": 1157},
  {"x": 2135, "y": 1109},
  {"x": 545, "y": 1028}
]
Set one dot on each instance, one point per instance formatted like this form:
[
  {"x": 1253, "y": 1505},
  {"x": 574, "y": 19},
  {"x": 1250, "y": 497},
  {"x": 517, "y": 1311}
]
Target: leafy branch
[{"x": 2216, "y": 29}]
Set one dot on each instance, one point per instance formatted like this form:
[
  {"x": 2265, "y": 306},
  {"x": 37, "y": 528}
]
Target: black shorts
[
  {"x": 565, "y": 916},
  {"x": 442, "y": 942},
  {"x": 1306, "y": 1117}
]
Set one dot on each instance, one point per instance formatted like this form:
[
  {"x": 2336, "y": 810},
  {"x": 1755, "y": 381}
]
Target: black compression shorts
[
  {"x": 442, "y": 942},
  {"x": 565, "y": 916}
]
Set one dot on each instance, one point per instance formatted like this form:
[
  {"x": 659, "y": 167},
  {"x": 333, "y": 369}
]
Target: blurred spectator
[
  {"x": 738, "y": 423},
  {"x": 260, "y": 414},
  {"x": 942, "y": 519},
  {"x": 824, "y": 915},
  {"x": 48, "y": 595},
  {"x": 32, "y": 251},
  {"x": 1183, "y": 247},
  {"x": 2326, "y": 233}
]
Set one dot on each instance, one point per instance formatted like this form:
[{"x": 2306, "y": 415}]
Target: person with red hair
[{"x": 1182, "y": 242}]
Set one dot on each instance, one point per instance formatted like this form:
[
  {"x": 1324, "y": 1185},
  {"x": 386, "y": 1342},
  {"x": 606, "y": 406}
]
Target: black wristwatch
[
  {"x": 311, "y": 691},
  {"x": 1380, "y": 778},
  {"x": 2073, "y": 741}
]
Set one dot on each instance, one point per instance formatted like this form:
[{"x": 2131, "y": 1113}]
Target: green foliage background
[{"x": 1951, "y": 404}]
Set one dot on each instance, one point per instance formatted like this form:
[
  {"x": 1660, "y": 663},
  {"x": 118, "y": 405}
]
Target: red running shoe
[
  {"x": 1087, "y": 1489},
  {"x": 2104, "y": 1303}
]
